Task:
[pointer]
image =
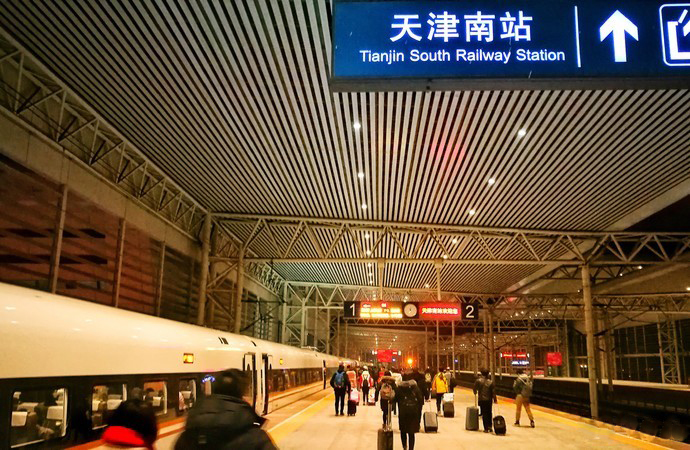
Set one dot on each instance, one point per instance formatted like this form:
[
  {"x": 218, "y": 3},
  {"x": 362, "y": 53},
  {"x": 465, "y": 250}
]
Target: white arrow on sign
[{"x": 618, "y": 25}]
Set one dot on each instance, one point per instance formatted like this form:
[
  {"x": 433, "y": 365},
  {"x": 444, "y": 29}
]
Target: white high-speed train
[{"x": 66, "y": 364}]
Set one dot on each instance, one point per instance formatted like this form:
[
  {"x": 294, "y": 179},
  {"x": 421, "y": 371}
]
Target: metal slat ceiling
[{"x": 232, "y": 100}]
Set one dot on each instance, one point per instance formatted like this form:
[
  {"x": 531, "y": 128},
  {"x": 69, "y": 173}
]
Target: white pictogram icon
[
  {"x": 675, "y": 33},
  {"x": 619, "y": 27}
]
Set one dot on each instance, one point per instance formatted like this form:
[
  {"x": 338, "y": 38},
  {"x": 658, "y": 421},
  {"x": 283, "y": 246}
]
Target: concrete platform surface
[{"x": 320, "y": 429}]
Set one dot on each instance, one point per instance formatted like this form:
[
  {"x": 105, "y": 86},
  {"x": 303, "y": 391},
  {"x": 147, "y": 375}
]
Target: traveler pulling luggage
[
  {"x": 385, "y": 436},
  {"x": 472, "y": 417},
  {"x": 499, "y": 423},
  {"x": 430, "y": 421}
]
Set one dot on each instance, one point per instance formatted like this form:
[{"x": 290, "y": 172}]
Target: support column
[
  {"x": 303, "y": 323},
  {"x": 118, "y": 262},
  {"x": 486, "y": 340},
  {"x": 591, "y": 351},
  {"x": 328, "y": 331},
  {"x": 608, "y": 341},
  {"x": 426, "y": 346},
  {"x": 452, "y": 333},
  {"x": 438, "y": 281},
  {"x": 283, "y": 325},
  {"x": 346, "y": 342},
  {"x": 159, "y": 285},
  {"x": 438, "y": 351},
  {"x": 57, "y": 239},
  {"x": 492, "y": 347},
  {"x": 338, "y": 342},
  {"x": 203, "y": 276},
  {"x": 566, "y": 358},
  {"x": 530, "y": 344},
  {"x": 239, "y": 292},
  {"x": 213, "y": 272}
]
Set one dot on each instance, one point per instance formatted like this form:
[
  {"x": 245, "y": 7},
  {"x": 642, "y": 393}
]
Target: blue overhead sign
[{"x": 528, "y": 42}]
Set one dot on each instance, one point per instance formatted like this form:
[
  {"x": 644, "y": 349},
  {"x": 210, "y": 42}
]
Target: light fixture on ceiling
[
  {"x": 687, "y": 288},
  {"x": 368, "y": 264},
  {"x": 639, "y": 267},
  {"x": 471, "y": 212},
  {"x": 360, "y": 175},
  {"x": 491, "y": 181},
  {"x": 455, "y": 241},
  {"x": 427, "y": 285},
  {"x": 522, "y": 133},
  {"x": 367, "y": 236},
  {"x": 356, "y": 125},
  {"x": 368, "y": 252},
  {"x": 364, "y": 206},
  {"x": 445, "y": 256}
]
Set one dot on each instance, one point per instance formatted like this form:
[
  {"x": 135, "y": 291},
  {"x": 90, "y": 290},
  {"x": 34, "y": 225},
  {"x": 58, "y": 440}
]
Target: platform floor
[
  {"x": 311, "y": 424},
  {"x": 318, "y": 428}
]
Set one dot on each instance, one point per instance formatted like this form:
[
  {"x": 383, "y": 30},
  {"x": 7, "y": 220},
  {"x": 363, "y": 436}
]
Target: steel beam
[
  {"x": 56, "y": 250},
  {"x": 203, "y": 277},
  {"x": 119, "y": 252},
  {"x": 591, "y": 350}
]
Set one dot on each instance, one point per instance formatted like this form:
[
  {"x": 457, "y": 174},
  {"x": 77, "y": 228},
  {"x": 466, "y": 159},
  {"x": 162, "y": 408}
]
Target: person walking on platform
[
  {"x": 439, "y": 387},
  {"x": 341, "y": 387},
  {"x": 523, "y": 391},
  {"x": 428, "y": 377},
  {"x": 365, "y": 382},
  {"x": 386, "y": 389},
  {"x": 484, "y": 388},
  {"x": 410, "y": 401},
  {"x": 224, "y": 420}
]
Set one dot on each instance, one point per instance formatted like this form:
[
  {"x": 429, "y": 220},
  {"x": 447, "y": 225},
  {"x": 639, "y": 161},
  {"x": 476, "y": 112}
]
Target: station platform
[
  {"x": 314, "y": 426},
  {"x": 310, "y": 423}
]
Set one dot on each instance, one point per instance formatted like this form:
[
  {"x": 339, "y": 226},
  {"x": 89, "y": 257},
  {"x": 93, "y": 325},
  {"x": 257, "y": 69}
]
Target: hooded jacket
[
  {"x": 523, "y": 386},
  {"x": 224, "y": 423}
]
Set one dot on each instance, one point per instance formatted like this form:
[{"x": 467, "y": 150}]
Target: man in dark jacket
[
  {"x": 485, "y": 389},
  {"x": 341, "y": 387},
  {"x": 224, "y": 420}
]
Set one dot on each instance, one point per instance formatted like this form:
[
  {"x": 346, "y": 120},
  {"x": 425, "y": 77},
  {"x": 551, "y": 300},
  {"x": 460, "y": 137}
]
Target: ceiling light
[
  {"x": 360, "y": 175},
  {"x": 522, "y": 133},
  {"x": 368, "y": 252},
  {"x": 454, "y": 241},
  {"x": 356, "y": 125},
  {"x": 471, "y": 212},
  {"x": 687, "y": 288},
  {"x": 445, "y": 256},
  {"x": 367, "y": 236},
  {"x": 426, "y": 285},
  {"x": 368, "y": 264},
  {"x": 639, "y": 267},
  {"x": 491, "y": 181},
  {"x": 364, "y": 206}
]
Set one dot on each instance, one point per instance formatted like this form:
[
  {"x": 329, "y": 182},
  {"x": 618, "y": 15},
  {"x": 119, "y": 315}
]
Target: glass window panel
[{"x": 38, "y": 415}]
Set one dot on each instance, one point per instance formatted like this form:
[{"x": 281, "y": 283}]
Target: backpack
[
  {"x": 407, "y": 398},
  {"x": 387, "y": 392},
  {"x": 527, "y": 389},
  {"x": 365, "y": 383},
  {"x": 339, "y": 381}
]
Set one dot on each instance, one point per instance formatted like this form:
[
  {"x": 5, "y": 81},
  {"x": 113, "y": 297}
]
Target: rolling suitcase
[
  {"x": 499, "y": 423},
  {"x": 385, "y": 436},
  {"x": 372, "y": 396},
  {"x": 448, "y": 410},
  {"x": 472, "y": 417},
  {"x": 351, "y": 408},
  {"x": 430, "y": 421}
]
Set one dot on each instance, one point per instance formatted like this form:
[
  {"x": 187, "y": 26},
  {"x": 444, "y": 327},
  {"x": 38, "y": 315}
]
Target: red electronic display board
[
  {"x": 386, "y": 355},
  {"x": 447, "y": 311},
  {"x": 554, "y": 359}
]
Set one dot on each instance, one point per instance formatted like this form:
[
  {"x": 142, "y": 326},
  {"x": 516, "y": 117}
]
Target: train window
[
  {"x": 38, "y": 415},
  {"x": 207, "y": 385},
  {"x": 156, "y": 394},
  {"x": 105, "y": 398},
  {"x": 187, "y": 395}
]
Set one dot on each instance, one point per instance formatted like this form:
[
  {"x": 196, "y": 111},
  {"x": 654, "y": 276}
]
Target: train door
[
  {"x": 249, "y": 365},
  {"x": 267, "y": 365},
  {"x": 324, "y": 374}
]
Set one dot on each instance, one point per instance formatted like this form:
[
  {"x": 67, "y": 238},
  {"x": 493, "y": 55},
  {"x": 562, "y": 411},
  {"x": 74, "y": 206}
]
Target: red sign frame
[{"x": 554, "y": 359}]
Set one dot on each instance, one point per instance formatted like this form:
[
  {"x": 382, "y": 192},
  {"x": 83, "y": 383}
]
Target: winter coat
[
  {"x": 224, "y": 423},
  {"x": 410, "y": 401},
  {"x": 439, "y": 385},
  {"x": 485, "y": 389},
  {"x": 346, "y": 381},
  {"x": 122, "y": 437},
  {"x": 523, "y": 386}
]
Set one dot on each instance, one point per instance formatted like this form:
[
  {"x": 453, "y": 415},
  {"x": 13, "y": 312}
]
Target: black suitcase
[
  {"x": 385, "y": 439},
  {"x": 430, "y": 422},
  {"x": 448, "y": 410},
  {"x": 499, "y": 425},
  {"x": 351, "y": 408}
]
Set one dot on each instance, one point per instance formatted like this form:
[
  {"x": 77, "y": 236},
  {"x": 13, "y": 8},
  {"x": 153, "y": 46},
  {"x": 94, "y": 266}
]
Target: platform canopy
[{"x": 470, "y": 191}]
